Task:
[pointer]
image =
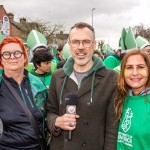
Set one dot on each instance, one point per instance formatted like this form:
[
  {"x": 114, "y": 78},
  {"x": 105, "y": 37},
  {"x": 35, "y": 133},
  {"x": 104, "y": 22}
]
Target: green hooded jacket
[{"x": 46, "y": 78}]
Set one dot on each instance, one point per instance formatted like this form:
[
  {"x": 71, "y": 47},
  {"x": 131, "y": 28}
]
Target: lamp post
[{"x": 92, "y": 15}]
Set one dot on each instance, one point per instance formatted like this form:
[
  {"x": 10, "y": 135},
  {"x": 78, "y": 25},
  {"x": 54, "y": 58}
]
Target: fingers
[
  {"x": 71, "y": 124},
  {"x": 66, "y": 122}
]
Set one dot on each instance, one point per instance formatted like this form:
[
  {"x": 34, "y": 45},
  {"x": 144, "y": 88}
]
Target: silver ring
[{"x": 70, "y": 124}]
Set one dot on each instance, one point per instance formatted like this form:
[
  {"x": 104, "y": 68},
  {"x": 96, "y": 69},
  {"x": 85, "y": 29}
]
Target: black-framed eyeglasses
[
  {"x": 16, "y": 54},
  {"x": 85, "y": 43}
]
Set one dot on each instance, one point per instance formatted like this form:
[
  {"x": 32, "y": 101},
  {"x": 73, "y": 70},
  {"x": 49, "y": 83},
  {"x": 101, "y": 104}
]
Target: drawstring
[
  {"x": 92, "y": 86},
  {"x": 62, "y": 89}
]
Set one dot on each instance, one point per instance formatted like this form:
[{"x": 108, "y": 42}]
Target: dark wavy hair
[{"x": 41, "y": 56}]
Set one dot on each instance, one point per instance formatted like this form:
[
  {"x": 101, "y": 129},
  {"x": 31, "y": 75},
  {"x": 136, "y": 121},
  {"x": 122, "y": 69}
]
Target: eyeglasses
[
  {"x": 85, "y": 43},
  {"x": 16, "y": 54}
]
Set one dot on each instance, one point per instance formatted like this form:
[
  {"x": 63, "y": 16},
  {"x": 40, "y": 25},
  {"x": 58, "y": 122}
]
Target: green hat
[
  {"x": 130, "y": 41},
  {"x": 107, "y": 49},
  {"x": 141, "y": 42},
  {"x": 66, "y": 52},
  {"x": 36, "y": 39},
  {"x": 53, "y": 51},
  {"x": 122, "y": 39},
  {"x": 1, "y": 37}
]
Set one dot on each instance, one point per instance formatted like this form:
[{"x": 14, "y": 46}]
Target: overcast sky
[{"x": 109, "y": 16}]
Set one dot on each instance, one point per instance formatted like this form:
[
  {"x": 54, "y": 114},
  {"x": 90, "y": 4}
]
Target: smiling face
[
  {"x": 136, "y": 73},
  {"x": 12, "y": 64},
  {"x": 82, "y": 54}
]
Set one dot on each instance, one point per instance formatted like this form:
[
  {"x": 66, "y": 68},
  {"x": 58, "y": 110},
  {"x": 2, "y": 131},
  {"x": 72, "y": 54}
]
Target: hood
[
  {"x": 40, "y": 75},
  {"x": 68, "y": 67}
]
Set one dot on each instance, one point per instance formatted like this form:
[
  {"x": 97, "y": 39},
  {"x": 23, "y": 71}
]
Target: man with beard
[{"x": 85, "y": 77}]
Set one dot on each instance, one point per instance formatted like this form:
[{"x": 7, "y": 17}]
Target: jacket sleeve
[{"x": 111, "y": 131}]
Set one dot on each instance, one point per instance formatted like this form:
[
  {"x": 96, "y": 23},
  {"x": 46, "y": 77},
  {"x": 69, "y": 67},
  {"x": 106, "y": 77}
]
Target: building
[
  {"x": 22, "y": 28},
  {"x": 16, "y": 28}
]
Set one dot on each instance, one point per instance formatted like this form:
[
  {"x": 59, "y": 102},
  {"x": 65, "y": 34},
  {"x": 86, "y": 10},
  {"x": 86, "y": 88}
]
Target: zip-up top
[{"x": 68, "y": 69}]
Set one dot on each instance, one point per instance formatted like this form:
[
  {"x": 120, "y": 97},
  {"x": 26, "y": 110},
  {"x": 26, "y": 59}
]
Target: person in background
[
  {"x": 143, "y": 44},
  {"x": 65, "y": 55},
  {"x": 42, "y": 63},
  {"x": 106, "y": 50},
  {"x": 60, "y": 52},
  {"x": 132, "y": 104},
  {"x": 84, "y": 76},
  {"x": 37, "y": 41},
  {"x": 19, "y": 132},
  {"x": 146, "y": 50},
  {"x": 113, "y": 60},
  {"x": 98, "y": 54}
]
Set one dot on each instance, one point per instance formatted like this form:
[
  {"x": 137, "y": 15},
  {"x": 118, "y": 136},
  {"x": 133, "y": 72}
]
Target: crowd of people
[{"x": 76, "y": 100}]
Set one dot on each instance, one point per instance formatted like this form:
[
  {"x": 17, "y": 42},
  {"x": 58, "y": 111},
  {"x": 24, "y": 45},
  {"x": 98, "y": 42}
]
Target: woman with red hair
[{"x": 22, "y": 100}]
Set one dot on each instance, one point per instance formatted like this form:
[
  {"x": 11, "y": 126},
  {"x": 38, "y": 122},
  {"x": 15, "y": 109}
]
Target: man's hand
[{"x": 66, "y": 122}]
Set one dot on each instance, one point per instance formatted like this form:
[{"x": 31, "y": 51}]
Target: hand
[{"x": 66, "y": 122}]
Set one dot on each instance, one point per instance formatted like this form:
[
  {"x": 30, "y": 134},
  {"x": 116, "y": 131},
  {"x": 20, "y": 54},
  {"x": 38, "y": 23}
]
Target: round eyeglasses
[
  {"x": 16, "y": 54},
  {"x": 85, "y": 43}
]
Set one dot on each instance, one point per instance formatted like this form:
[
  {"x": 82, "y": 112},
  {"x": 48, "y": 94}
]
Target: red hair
[{"x": 8, "y": 40}]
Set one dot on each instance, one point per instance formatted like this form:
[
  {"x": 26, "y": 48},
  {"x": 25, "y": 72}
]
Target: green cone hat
[
  {"x": 106, "y": 49},
  {"x": 66, "y": 52},
  {"x": 36, "y": 39},
  {"x": 1, "y": 37},
  {"x": 130, "y": 41},
  {"x": 122, "y": 39},
  {"x": 53, "y": 51},
  {"x": 141, "y": 42}
]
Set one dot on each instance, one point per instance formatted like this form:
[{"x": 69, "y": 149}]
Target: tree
[
  {"x": 142, "y": 31},
  {"x": 47, "y": 28}
]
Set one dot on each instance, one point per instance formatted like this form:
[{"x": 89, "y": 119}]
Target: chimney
[
  {"x": 11, "y": 17},
  {"x": 22, "y": 20}
]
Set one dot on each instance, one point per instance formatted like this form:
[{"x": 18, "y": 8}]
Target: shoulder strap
[{"x": 28, "y": 113}]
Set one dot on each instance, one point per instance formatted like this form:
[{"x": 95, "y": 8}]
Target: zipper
[
  {"x": 22, "y": 95},
  {"x": 29, "y": 98}
]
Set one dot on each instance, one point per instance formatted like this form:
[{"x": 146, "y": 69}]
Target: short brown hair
[{"x": 81, "y": 25}]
